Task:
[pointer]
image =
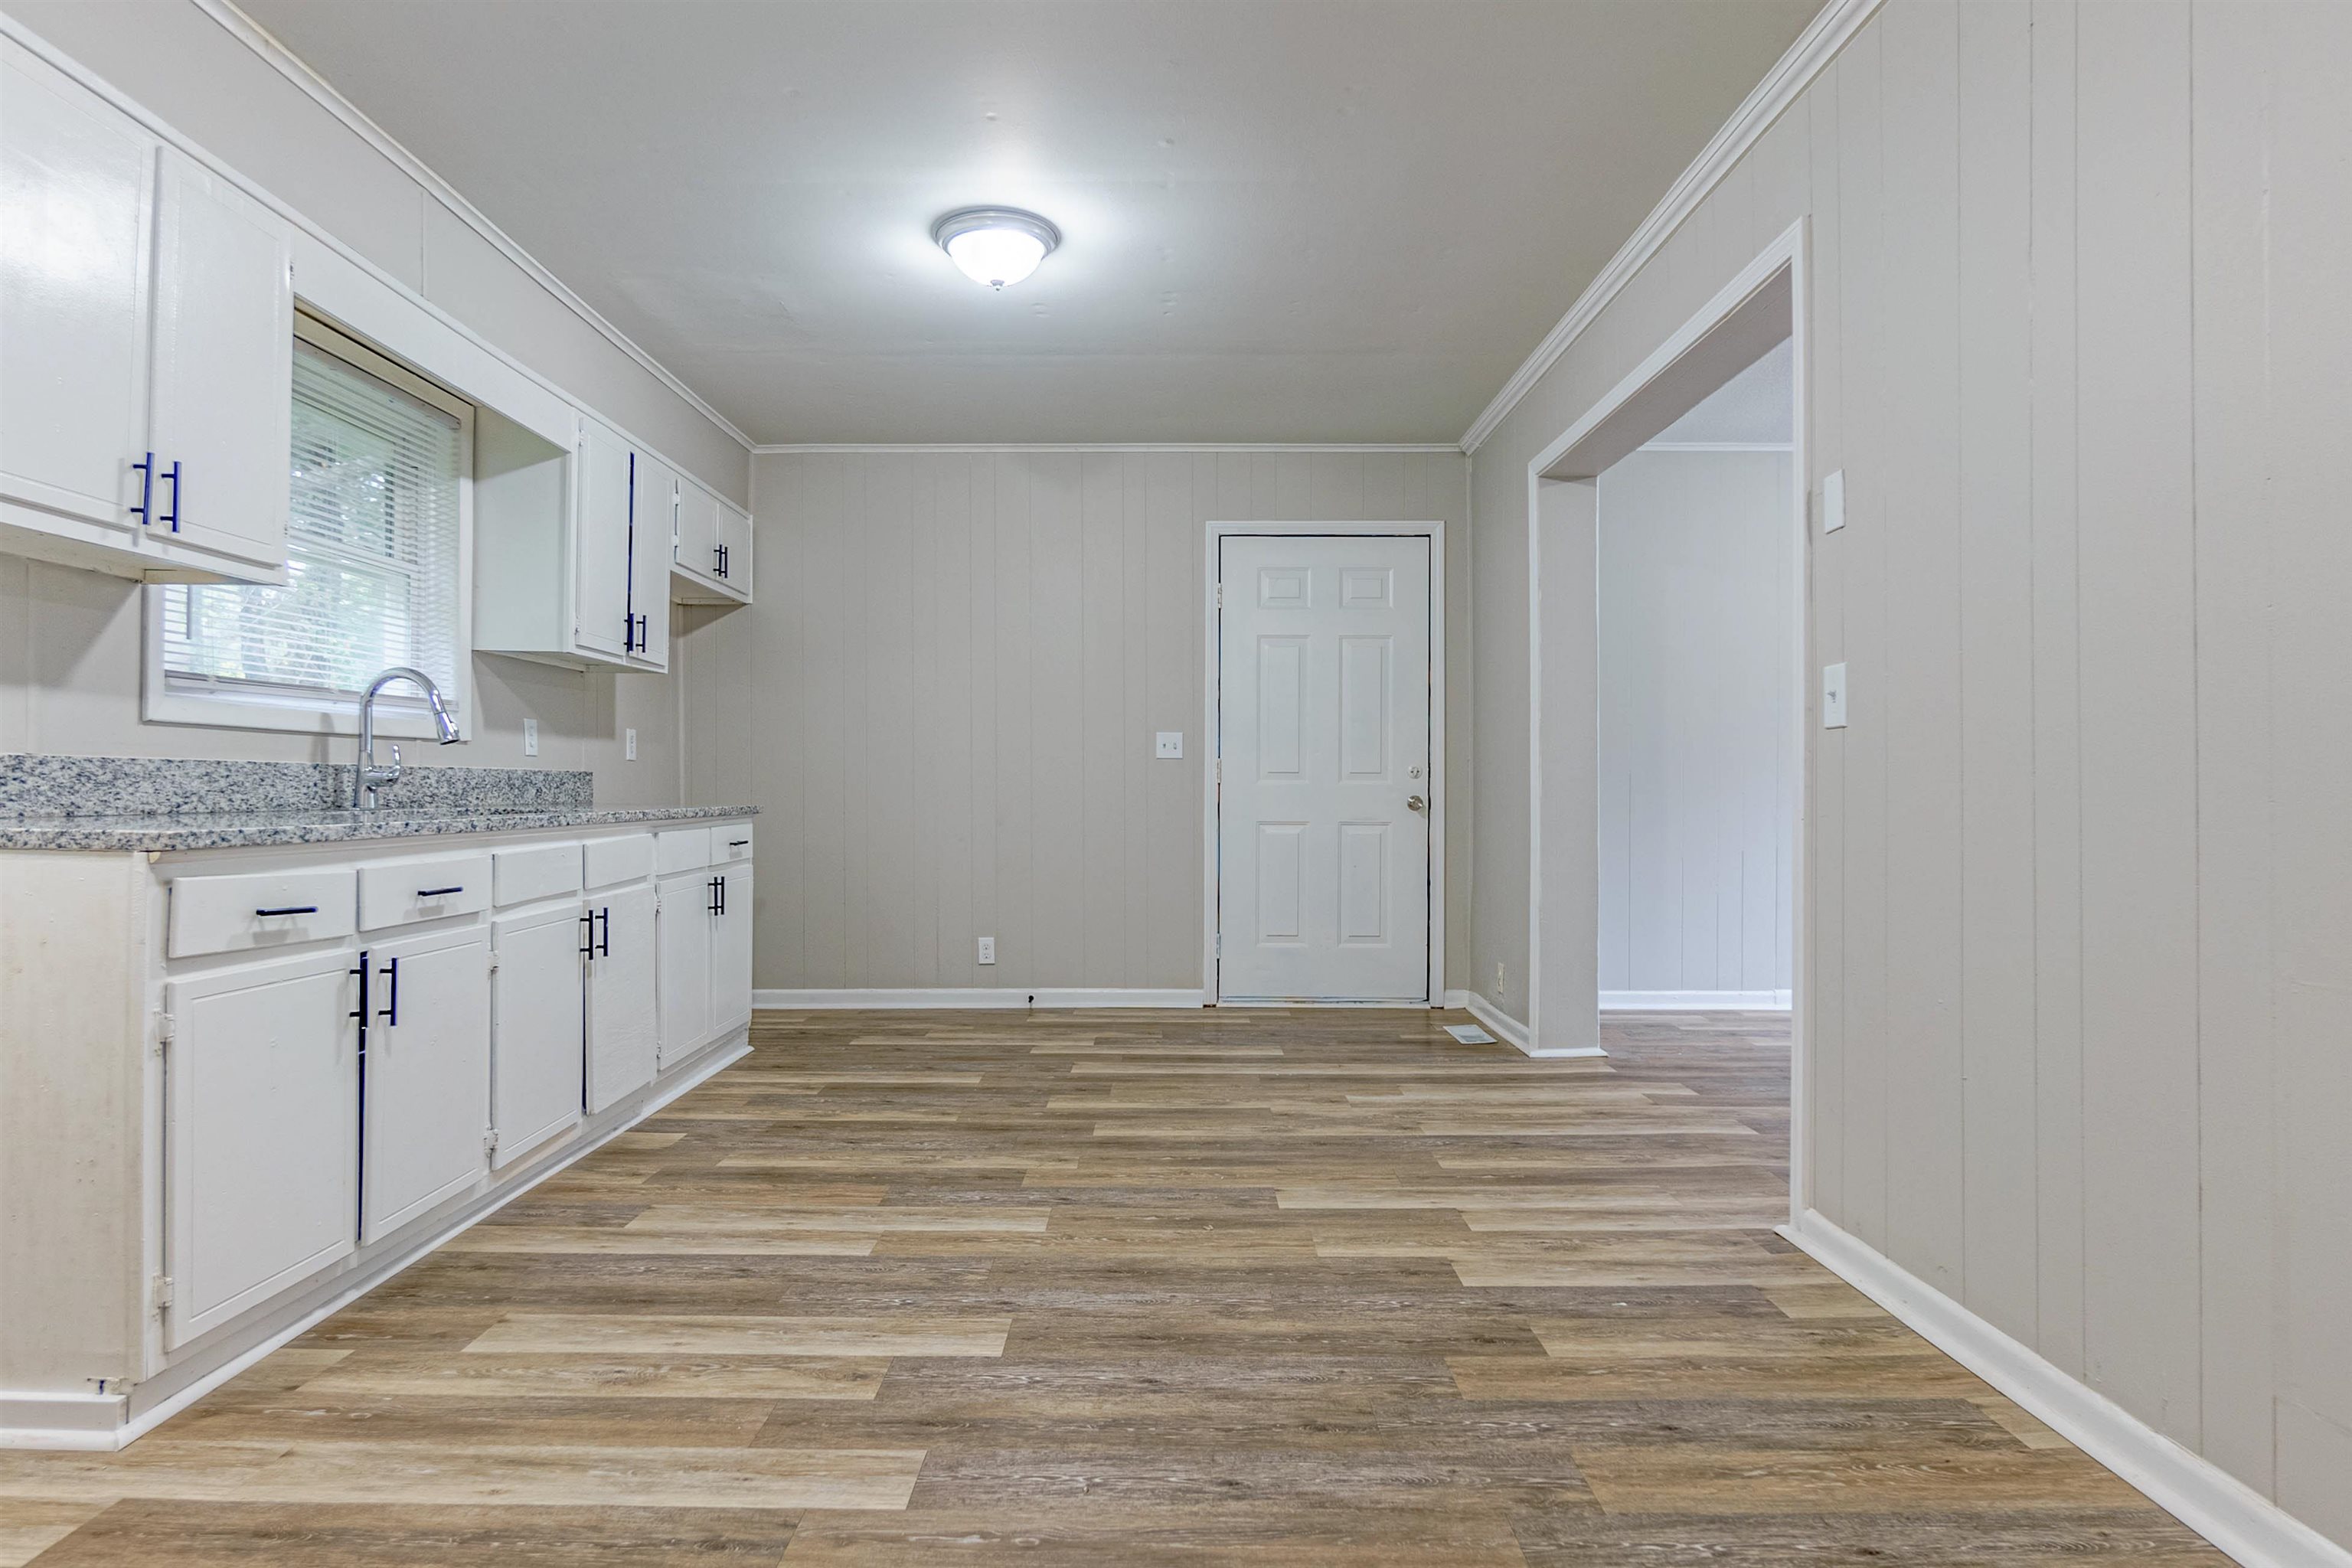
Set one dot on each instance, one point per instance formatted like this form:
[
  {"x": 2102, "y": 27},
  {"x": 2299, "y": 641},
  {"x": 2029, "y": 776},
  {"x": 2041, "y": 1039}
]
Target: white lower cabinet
[
  {"x": 731, "y": 951},
  {"x": 263, "y": 1142},
  {"x": 706, "y": 957},
  {"x": 623, "y": 1049},
  {"x": 538, "y": 1021},
  {"x": 688, "y": 904},
  {"x": 426, "y": 1083}
]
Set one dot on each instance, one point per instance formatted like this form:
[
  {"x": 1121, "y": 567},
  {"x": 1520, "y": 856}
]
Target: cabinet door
[
  {"x": 653, "y": 528},
  {"x": 731, "y": 951},
  {"x": 427, "y": 1075},
  {"x": 77, "y": 194},
  {"x": 684, "y": 982},
  {"x": 697, "y": 530},
  {"x": 621, "y": 1026},
  {"x": 735, "y": 545},
  {"x": 224, "y": 392},
  {"x": 263, "y": 1086},
  {"x": 537, "y": 1030},
  {"x": 600, "y": 542}
]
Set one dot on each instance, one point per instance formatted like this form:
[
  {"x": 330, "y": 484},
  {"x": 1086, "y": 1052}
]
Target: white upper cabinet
[
  {"x": 653, "y": 529},
  {"x": 77, "y": 187},
  {"x": 713, "y": 560},
  {"x": 146, "y": 347},
  {"x": 604, "y": 621},
  {"x": 572, "y": 548},
  {"x": 224, "y": 390}
]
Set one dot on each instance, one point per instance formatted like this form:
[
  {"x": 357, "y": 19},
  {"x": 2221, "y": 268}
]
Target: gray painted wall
[
  {"x": 69, "y": 640},
  {"x": 1698, "y": 698},
  {"x": 2080, "y": 932},
  {"x": 946, "y": 695}
]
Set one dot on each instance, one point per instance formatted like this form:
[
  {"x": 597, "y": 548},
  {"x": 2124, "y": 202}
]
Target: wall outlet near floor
[
  {"x": 629, "y": 741},
  {"x": 1171, "y": 744},
  {"x": 988, "y": 950},
  {"x": 1834, "y": 696},
  {"x": 530, "y": 737}
]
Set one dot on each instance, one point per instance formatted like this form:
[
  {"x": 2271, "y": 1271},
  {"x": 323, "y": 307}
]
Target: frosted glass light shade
[{"x": 996, "y": 245}]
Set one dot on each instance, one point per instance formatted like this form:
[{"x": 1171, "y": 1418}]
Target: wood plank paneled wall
[
  {"x": 2080, "y": 941},
  {"x": 1697, "y": 743},
  {"x": 945, "y": 701}
]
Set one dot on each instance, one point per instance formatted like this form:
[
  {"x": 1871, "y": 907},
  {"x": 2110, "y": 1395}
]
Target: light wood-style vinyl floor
[{"x": 1235, "y": 1287}]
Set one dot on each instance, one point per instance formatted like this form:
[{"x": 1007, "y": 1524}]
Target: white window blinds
[{"x": 373, "y": 543}]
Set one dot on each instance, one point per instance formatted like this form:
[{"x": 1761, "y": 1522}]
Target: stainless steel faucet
[{"x": 367, "y": 777}]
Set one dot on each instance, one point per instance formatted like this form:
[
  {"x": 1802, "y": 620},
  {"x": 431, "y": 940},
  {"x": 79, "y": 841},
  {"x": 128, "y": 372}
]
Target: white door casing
[{"x": 1324, "y": 760}]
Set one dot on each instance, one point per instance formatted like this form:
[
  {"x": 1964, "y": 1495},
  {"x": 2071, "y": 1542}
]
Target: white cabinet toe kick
[{"x": 239, "y": 1088}]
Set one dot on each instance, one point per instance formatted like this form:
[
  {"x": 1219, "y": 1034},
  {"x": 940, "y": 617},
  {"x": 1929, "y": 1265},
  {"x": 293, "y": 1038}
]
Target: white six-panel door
[{"x": 1323, "y": 718}]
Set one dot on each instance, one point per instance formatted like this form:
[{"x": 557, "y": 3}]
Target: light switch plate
[
  {"x": 1834, "y": 502},
  {"x": 629, "y": 740},
  {"x": 1833, "y": 696},
  {"x": 530, "y": 737},
  {"x": 988, "y": 950},
  {"x": 1170, "y": 745}
]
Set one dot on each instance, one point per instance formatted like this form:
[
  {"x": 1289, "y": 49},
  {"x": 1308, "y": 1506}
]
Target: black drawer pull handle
[
  {"x": 439, "y": 892},
  {"x": 291, "y": 909},
  {"x": 737, "y": 843},
  {"x": 391, "y": 1015}
]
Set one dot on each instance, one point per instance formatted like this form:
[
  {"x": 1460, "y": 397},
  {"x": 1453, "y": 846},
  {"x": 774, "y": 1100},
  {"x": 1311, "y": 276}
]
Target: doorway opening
[
  {"x": 1669, "y": 743},
  {"x": 1325, "y": 795}
]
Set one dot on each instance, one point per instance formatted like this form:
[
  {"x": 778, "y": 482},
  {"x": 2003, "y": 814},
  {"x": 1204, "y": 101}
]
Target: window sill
[{"x": 223, "y": 710}]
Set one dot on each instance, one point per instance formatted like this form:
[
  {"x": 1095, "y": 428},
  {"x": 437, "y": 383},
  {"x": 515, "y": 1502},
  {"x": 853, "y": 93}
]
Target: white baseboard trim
[
  {"x": 1695, "y": 1001},
  {"x": 1509, "y": 1030},
  {"x": 883, "y": 1000},
  {"x": 2243, "y": 1524},
  {"x": 104, "y": 1423}
]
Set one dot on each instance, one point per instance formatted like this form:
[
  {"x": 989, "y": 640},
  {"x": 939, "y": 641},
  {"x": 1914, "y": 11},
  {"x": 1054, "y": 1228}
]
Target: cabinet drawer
[
  {"x": 681, "y": 849},
  {"x": 536, "y": 871},
  {"x": 628, "y": 858},
  {"x": 271, "y": 909},
  {"x": 731, "y": 842},
  {"x": 401, "y": 891}
]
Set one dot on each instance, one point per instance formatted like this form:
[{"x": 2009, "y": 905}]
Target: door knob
[{"x": 1414, "y": 803}]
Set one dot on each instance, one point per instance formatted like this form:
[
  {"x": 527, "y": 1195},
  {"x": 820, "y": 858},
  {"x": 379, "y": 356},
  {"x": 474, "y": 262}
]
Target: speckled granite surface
[
  {"x": 32, "y": 783},
  {"x": 255, "y": 829},
  {"x": 162, "y": 804}
]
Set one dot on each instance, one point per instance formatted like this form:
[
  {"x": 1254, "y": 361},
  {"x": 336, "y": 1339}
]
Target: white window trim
[{"x": 400, "y": 712}]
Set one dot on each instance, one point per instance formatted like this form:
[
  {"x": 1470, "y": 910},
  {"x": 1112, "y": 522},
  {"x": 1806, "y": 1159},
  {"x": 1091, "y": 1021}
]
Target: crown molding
[
  {"x": 1447, "y": 449},
  {"x": 290, "y": 66},
  {"x": 1830, "y": 30}
]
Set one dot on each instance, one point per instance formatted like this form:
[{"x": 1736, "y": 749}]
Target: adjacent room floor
[{"x": 1086, "y": 1289}]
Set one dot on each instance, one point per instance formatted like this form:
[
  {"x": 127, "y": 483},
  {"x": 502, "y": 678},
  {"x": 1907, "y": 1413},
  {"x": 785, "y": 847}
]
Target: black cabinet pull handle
[
  {"x": 737, "y": 843},
  {"x": 714, "y": 895},
  {"x": 291, "y": 909},
  {"x": 146, "y": 487},
  {"x": 363, "y": 1014},
  {"x": 173, "y": 516},
  {"x": 391, "y": 1015},
  {"x": 439, "y": 892},
  {"x": 606, "y": 949},
  {"x": 588, "y": 935}
]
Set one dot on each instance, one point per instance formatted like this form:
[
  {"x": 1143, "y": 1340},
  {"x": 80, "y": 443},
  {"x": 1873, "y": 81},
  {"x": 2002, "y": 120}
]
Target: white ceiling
[
  {"x": 1285, "y": 220},
  {"x": 1756, "y": 408}
]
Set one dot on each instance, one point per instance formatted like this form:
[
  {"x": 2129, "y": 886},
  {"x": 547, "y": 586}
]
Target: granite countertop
[
  {"x": 176, "y": 803},
  {"x": 159, "y": 831}
]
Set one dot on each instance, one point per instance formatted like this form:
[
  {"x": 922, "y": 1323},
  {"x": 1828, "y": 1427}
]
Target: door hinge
[
  {"x": 166, "y": 1027},
  {"x": 1220, "y": 595},
  {"x": 489, "y": 1140},
  {"x": 159, "y": 1292}
]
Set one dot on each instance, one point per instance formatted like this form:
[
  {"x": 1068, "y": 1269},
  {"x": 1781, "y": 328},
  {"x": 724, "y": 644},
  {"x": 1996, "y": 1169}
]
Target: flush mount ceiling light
[{"x": 996, "y": 245}]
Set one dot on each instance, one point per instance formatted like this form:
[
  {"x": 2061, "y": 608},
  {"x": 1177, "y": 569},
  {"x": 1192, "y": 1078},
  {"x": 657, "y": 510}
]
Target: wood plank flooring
[{"x": 1263, "y": 1287}]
